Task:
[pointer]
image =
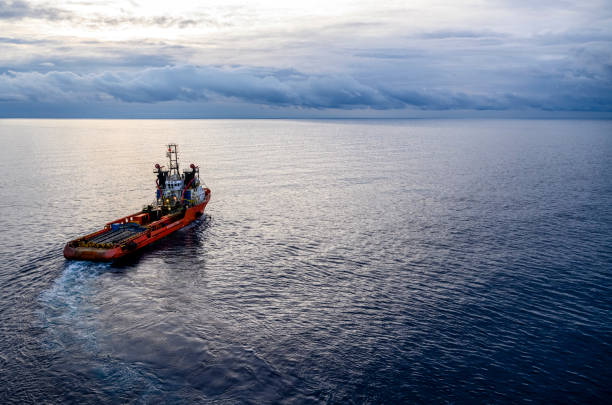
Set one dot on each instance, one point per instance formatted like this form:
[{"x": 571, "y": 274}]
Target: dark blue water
[{"x": 448, "y": 261}]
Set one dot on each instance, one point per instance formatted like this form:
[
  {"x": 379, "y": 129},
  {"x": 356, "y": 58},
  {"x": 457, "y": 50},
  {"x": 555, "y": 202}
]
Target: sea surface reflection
[{"x": 427, "y": 261}]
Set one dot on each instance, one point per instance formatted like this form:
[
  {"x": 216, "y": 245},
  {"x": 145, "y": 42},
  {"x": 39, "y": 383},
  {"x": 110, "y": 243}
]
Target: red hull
[{"x": 154, "y": 232}]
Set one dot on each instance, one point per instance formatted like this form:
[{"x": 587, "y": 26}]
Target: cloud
[
  {"x": 21, "y": 41},
  {"x": 18, "y": 9},
  {"x": 192, "y": 83},
  {"x": 157, "y": 21},
  {"x": 499, "y": 56},
  {"x": 283, "y": 88},
  {"x": 461, "y": 33}
]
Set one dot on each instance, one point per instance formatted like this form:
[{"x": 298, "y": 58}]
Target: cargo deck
[{"x": 117, "y": 235}]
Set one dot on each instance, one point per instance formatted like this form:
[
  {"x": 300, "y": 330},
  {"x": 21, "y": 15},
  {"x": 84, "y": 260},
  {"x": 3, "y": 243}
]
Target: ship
[{"x": 180, "y": 199}]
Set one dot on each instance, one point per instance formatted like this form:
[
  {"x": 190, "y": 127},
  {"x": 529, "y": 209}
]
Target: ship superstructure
[
  {"x": 179, "y": 200},
  {"x": 176, "y": 189}
]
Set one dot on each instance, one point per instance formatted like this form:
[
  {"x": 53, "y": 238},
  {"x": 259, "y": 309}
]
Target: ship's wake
[
  {"x": 70, "y": 313},
  {"x": 67, "y": 309}
]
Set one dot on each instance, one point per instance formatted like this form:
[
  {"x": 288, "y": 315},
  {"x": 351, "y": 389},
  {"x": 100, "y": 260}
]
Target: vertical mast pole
[{"x": 173, "y": 157}]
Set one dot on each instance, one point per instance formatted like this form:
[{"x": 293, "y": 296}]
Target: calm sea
[{"x": 416, "y": 261}]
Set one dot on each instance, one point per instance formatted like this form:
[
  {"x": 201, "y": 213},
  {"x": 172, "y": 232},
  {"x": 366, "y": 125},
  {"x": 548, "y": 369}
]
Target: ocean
[{"x": 339, "y": 261}]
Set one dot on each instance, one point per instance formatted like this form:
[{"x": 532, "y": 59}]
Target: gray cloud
[
  {"x": 83, "y": 65},
  {"x": 158, "y": 21},
  {"x": 461, "y": 33},
  {"x": 191, "y": 83},
  {"x": 287, "y": 88},
  {"x": 18, "y": 9},
  {"x": 21, "y": 41}
]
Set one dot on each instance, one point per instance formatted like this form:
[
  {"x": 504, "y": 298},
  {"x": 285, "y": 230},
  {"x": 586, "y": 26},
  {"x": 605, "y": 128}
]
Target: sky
[{"x": 188, "y": 59}]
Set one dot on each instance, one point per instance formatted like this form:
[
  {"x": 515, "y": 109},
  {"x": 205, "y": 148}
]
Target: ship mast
[{"x": 173, "y": 157}]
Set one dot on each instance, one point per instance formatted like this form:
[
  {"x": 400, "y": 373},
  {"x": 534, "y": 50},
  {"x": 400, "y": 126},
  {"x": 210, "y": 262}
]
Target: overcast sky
[{"x": 305, "y": 59}]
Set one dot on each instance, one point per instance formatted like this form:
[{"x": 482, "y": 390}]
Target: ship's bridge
[{"x": 174, "y": 185}]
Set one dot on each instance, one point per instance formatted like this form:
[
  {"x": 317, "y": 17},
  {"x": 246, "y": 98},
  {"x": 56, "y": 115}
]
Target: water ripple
[{"x": 342, "y": 262}]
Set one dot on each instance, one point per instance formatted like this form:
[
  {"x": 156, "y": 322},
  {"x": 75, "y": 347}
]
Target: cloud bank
[
  {"x": 345, "y": 56},
  {"x": 283, "y": 88}
]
